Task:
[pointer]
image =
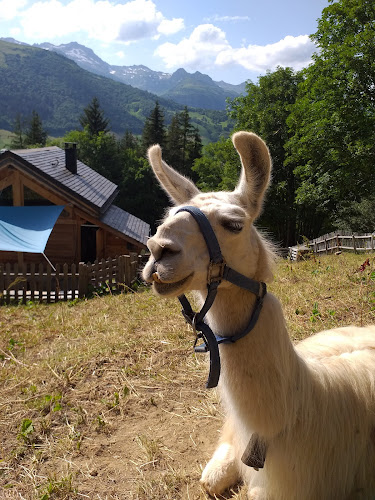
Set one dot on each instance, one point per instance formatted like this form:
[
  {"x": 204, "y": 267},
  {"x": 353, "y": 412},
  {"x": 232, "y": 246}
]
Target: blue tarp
[{"x": 27, "y": 229}]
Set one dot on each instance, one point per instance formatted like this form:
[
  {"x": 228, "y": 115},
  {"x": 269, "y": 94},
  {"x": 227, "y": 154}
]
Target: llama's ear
[
  {"x": 179, "y": 188},
  {"x": 256, "y": 170}
]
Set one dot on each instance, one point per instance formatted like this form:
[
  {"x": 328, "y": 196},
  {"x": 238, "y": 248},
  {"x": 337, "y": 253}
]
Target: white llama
[{"x": 312, "y": 407}]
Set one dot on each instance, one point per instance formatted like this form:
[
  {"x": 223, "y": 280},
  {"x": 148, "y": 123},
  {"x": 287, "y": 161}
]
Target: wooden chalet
[{"x": 90, "y": 227}]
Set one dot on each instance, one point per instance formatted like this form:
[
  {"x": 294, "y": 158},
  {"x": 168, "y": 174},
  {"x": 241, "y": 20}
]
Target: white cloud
[
  {"x": 170, "y": 27},
  {"x": 217, "y": 18},
  {"x": 290, "y": 51},
  {"x": 9, "y": 9},
  {"x": 102, "y": 20},
  {"x": 199, "y": 50},
  {"x": 207, "y": 46}
]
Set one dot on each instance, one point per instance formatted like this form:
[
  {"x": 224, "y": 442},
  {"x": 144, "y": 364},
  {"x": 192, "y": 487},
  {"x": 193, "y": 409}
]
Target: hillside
[
  {"x": 197, "y": 89},
  {"x": 189, "y": 89},
  {"x": 58, "y": 89}
]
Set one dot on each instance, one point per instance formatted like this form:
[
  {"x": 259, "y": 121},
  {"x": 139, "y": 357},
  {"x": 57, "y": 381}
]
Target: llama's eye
[{"x": 234, "y": 226}]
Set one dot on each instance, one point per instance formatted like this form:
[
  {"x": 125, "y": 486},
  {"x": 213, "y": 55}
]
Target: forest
[{"x": 319, "y": 124}]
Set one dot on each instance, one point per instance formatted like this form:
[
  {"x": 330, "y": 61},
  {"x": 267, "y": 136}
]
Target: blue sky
[{"x": 232, "y": 41}]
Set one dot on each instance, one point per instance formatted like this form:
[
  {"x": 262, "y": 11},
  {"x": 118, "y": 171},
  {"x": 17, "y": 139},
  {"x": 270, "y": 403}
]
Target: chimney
[{"x": 71, "y": 156}]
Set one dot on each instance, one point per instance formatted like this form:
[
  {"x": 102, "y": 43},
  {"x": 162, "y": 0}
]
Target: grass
[
  {"x": 104, "y": 398},
  {"x": 5, "y": 138}
]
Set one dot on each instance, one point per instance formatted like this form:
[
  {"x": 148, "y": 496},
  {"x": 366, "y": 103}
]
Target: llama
[{"x": 310, "y": 406}]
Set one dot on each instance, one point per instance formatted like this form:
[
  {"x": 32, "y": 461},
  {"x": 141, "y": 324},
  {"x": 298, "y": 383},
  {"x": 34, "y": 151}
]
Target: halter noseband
[{"x": 217, "y": 271}]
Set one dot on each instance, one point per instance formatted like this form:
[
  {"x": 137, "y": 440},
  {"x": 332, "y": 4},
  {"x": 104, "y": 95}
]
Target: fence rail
[
  {"x": 41, "y": 283},
  {"x": 335, "y": 242}
]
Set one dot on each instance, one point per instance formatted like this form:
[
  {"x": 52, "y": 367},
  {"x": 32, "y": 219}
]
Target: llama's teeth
[{"x": 156, "y": 278}]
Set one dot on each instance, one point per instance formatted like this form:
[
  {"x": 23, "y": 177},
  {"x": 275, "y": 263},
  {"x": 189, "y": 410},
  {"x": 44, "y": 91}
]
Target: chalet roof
[
  {"x": 126, "y": 223},
  {"x": 87, "y": 184}
]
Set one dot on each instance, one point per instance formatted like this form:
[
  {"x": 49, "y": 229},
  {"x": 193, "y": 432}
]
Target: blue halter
[{"x": 218, "y": 271}]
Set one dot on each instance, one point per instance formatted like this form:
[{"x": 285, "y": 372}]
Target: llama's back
[
  {"x": 336, "y": 418},
  {"x": 344, "y": 342},
  {"x": 342, "y": 361}
]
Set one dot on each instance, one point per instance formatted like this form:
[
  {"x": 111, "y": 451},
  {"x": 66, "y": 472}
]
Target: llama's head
[{"x": 179, "y": 256}]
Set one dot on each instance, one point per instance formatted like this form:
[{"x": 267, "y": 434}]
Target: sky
[{"x": 232, "y": 41}]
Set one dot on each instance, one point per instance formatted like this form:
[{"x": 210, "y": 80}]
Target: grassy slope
[
  {"x": 111, "y": 396},
  {"x": 5, "y": 138}
]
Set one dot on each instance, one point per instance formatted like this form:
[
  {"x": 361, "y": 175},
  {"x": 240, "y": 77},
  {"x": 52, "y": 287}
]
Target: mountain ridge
[
  {"x": 58, "y": 89},
  {"x": 189, "y": 89}
]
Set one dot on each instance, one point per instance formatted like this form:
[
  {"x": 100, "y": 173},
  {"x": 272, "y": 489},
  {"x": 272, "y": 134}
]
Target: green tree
[
  {"x": 18, "y": 141},
  {"x": 154, "y": 129},
  {"x": 183, "y": 144},
  {"x": 173, "y": 149},
  {"x": 139, "y": 193},
  {"x": 35, "y": 134},
  {"x": 333, "y": 120},
  {"x": 218, "y": 167},
  {"x": 93, "y": 118}
]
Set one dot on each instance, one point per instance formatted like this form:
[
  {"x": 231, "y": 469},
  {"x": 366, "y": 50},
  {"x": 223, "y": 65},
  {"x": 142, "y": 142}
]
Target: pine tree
[
  {"x": 35, "y": 134},
  {"x": 18, "y": 142},
  {"x": 154, "y": 129},
  {"x": 174, "y": 151},
  {"x": 129, "y": 141},
  {"x": 93, "y": 118},
  {"x": 184, "y": 143}
]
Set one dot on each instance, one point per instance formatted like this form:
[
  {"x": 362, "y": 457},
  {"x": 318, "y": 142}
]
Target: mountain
[
  {"x": 58, "y": 89},
  {"x": 197, "y": 89}
]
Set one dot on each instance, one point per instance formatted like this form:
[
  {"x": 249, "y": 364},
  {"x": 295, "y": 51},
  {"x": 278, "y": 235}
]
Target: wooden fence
[
  {"x": 343, "y": 240},
  {"x": 335, "y": 242},
  {"x": 40, "y": 283}
]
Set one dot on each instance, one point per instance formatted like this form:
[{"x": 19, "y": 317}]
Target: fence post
[
  {"x": 354, "y": 245},
  {"x": 41, "y": 282},
  {"x": 2, "y": 285},
  {"x": 121, "y": 272},
  {"x": 82, "y": 279},
  {"x": 128, "y": 279}
]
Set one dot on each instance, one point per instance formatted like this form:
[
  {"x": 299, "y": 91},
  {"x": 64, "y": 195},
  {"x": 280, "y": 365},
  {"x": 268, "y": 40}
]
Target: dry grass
[{"x": 104, "y": 399}]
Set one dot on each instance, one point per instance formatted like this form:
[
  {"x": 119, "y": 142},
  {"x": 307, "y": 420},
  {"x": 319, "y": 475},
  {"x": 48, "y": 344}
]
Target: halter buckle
[{"x": 215, "y": 271}]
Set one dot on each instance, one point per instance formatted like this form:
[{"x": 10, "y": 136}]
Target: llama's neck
[{"x": 260, "y": 372}]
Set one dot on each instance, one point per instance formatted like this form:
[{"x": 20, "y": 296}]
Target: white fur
[{"x": 314, "y": 404}]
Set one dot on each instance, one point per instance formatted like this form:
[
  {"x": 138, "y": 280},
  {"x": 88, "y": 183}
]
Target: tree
[
  {"x": 264, "y": 109},
  {"x": 93, "y": 118},
  {"x": 154, "y": 129},
  {"x": 140, "y": 193},
  {"x": 35, "y": 134},
  {"x": 333, "y": 120},
  {"x": 18, "y": 142},
  {"x": 183, "y": 144},
  {"x": 218, "y": 167}
]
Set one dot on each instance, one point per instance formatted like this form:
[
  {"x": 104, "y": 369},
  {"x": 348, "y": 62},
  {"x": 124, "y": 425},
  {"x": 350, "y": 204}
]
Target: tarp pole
[{"x": 49, "y": 262}]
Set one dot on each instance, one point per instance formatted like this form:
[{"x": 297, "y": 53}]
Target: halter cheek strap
[{"x": 218, "y": 271}]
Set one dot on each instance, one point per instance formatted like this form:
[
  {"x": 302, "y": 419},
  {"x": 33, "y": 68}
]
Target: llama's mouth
[{"x": 168, "y": 288}]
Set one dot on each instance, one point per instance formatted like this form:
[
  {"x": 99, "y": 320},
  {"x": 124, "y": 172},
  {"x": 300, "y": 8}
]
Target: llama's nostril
[
  {"x": 162, "y": 249},
  {"x": 169, "y": 252},
  {"x": 155, "y": 249}
]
